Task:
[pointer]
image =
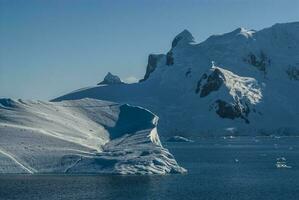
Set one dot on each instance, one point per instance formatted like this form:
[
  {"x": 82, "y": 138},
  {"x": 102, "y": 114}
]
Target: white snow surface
[
  {"x": 81, "y": 136},
  {"x": 244, "y": 80}
]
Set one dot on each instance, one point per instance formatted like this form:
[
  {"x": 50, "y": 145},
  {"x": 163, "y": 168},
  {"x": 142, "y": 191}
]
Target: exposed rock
[
  {"x": 152, "y": 64},
  {"x": 260, "y": 61},
  {"x": 111, "y": 79},
  {"x": 169, "y": 58},
  {"x": 232, "y": 111},
  {"x": 185, "y": 37},
  {"x": 213, "y": 83}
]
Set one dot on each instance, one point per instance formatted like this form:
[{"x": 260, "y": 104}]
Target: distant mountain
[
  {"x": 110, "y": 79},
  {"x": 80, "y": 136},
  {"x": 244, "y": 82}
]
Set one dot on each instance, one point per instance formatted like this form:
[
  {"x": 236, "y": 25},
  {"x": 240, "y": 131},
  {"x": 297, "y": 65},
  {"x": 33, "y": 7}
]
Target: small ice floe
[
  {"x": 291, "y": 148},
  {"x": 178, "y": 139},
  {"x": 281, "y": 162},
  {"x": 231, "y": 131},
  {"x": 275, "y": 136},
  {"x": 236, "y": 160},
  {"x": 229, "y": 137}
]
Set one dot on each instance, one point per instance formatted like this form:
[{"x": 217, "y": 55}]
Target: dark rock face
[
  {"x": 152, "y": 64},
  {"x": 111, "y": 79},
  {"x": 185, "y": 36},
  {"x": 175, "y": 41},
  {"x": 232, "y": 111},
  {"x": 188, "y": 73},
  {"x": 169, "y": 58},
  {"x": 259, "y": 61},
  {"x": 213, "y": 83},
  {"x": 293, "y": 73},
  {"x": 198, "y": 86}
]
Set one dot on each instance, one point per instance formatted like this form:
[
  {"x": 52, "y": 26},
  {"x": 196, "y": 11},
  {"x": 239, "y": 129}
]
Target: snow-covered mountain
[
  {"x": 242, "y": 82},
  {"x": 80, "y": 136}
]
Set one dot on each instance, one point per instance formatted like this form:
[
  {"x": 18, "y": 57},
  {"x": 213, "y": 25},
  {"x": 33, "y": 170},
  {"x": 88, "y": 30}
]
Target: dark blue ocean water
[{"x": 238, "y": 168}]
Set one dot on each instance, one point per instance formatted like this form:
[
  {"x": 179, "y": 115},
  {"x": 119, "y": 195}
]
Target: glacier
[
  {"x": 81, "y": 136},
  {"x": 245, "y": 81}
]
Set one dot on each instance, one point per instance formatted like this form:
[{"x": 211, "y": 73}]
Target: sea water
[{"x": 218, "y": 168}]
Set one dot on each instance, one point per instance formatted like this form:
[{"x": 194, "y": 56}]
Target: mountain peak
[
  {"x": 185, "y": 37},
  {"x": 110, "y": 79},
  {"x": 245, "y": 87}
]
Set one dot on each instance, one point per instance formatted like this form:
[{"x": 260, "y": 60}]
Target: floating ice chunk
[
  {"x": 229, "y": 137},
  {"x": 179, "y": 139},
  {"x": 281, "y": 162},
  {"x": 256, "y": 140}
]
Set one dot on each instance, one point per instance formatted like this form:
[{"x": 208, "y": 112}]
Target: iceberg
[{"x": 81, "y": 136}]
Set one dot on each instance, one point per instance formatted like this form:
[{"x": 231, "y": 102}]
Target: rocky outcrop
[
  {"x": 260, "y": 61},
  {"x": 111, "y": 79},
  {"x": 236, "y": 94},
  {"x": 153, "y": 60},
  {"x": 232, "y": 110},
  {"x": 183, "y": 38},
  {"x": 169, "y": 58},
  {"x": 212, "y": 83}
]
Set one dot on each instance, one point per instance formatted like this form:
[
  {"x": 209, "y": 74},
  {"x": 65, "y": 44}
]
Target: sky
[{"x": 51, "y": 47}]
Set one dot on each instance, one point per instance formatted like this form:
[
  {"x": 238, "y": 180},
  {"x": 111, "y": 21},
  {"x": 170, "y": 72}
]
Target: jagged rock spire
[{"x": 110, "y": 79}]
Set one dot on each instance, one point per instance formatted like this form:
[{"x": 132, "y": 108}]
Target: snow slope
[
  {"x": 243, "y": 82},
  {"x": 80, "y": 136}
]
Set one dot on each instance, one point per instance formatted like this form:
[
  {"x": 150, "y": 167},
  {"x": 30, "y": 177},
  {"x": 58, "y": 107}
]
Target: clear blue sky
[{"x": 50, "y": 47}]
